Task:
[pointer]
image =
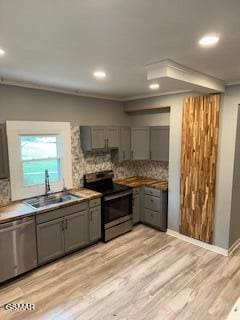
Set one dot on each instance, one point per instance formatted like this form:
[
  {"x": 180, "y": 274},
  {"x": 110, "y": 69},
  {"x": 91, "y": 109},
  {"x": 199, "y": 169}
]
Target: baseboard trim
[
  {"x": 234, "y": 247},
  {"x": 198, "y": 243}
]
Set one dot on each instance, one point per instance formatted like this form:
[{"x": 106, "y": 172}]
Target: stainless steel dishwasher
[{"x": 18, "y": 252}]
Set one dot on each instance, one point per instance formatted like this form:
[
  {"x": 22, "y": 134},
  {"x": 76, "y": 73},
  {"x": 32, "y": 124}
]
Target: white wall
[
  {"x": 175, "y": 120},
  {"x": 29, "y": 104},
  {"x": 150, "y": 119},
  {"x": 234, "y": 233},
  {"x": 227, "y": 220},
  {"x": 226, "y": 151}
]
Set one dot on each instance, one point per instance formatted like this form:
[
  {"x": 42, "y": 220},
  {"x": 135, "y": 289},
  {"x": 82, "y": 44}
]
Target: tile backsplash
[
  {"x": 4, "y": 191},
  {"x": 91, "y": 162}
]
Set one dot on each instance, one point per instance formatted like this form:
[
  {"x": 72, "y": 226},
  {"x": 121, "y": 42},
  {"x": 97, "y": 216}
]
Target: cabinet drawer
[
  {"x": 94, "y": 202},
  {"x": 153, "y": 218},
  {"x": 59, "y": 213},
  {"x": 136, "y": 191},
  {"x": 152, "y": 203},
  {"x": 152, "y": 192}
]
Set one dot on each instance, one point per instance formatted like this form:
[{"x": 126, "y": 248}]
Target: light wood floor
[{"x": 143, "y": 275}]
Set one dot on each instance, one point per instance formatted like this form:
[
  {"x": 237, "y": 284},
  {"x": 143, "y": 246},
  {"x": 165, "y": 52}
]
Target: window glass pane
[
  {"x": 34, "y": 171},
  {"x": 38, "y": 147}
]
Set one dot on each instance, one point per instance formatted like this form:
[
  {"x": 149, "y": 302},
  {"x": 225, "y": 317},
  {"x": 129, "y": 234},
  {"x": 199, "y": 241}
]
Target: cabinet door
[
  {"x": 76, "y": 230},
  {"x": 50, "y": 240},
  {"x": 159, "y": 143},
  {"x": 98, "y": 137},
  {"x": 136, "y": 209},
  {"x": 113, "y": 137},
  {"x": 140, "y": 143},
  {"x": 125, "y": 152},
  {"x": 95, "y": 224},
  {"x": 4, "y": 173}
]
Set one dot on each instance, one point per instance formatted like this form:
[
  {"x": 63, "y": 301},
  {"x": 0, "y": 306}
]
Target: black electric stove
[{"x": 116, "y": 203}]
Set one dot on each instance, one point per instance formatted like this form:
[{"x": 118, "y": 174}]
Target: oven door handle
[{"x": 117, "y": 196}]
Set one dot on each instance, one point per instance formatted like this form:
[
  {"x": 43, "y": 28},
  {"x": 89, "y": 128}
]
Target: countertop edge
[{"x": 9, "y": 212}]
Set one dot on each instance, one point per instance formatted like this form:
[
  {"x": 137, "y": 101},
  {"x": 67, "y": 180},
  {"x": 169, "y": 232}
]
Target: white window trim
[{"x": 17, "y": 128}]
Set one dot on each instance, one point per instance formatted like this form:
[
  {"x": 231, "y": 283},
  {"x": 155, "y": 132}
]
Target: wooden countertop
[
  {"x": 18, "y": 209},
  {"x": 138, "y": 181}
]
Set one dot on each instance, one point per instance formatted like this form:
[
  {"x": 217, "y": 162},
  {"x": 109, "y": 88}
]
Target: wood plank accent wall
[{"x": 200, "y": 127}]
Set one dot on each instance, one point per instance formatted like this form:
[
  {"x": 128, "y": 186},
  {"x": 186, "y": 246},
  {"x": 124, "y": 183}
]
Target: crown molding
[
  {"x": 30, "y": 85},
  {"x": 233, "y": 83},
  {"x": 145, "y": 96}
]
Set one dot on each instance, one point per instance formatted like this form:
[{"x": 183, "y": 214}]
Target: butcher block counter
[
  {"x": 138, "y": 181},
  {"x": 18, "y": 209}
]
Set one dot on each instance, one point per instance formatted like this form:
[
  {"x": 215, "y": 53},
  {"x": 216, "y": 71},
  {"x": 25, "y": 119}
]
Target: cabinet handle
[
  {"x": 107, "y": 143},
  {"x": 132, "y": 154},
  {"x": 62, "y": 225},
  {"x": 105, "y": 140},
  {"x": 90, "y": 215},
  {"x": 66, "y": 224}
]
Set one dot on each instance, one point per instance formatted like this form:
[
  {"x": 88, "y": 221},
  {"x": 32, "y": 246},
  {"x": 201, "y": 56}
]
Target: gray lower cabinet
[
  {"x": 159, "y": 143},
  {"x": 75, "y": 230},
  {"x": 94, "y": 224},
  {"x": 76, "y": 227},
  {"x": 50, "y": 240},
  {"x": 136, "y": 206},
  {"x": 155, "y": 208},
  {"x": 4, "y": 171}
]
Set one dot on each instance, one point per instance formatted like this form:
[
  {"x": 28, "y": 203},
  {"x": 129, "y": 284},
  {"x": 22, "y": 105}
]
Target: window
[
  {"x": 39, "y": 153},
  {"x": 36, "y": 146}
]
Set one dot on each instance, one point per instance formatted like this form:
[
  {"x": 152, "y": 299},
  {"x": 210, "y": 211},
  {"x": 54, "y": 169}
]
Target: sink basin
[{"x": 51, "y": 200}]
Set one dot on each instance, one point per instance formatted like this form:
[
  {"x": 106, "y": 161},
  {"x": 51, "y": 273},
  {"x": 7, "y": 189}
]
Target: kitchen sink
[{"x": 51, "y": 200}]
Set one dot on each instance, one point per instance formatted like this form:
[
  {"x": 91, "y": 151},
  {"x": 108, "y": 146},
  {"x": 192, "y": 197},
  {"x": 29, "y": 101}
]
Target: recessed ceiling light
[
  {"x": 154, "y": 86},
  {"x": 99, "y": 74},
  {"x": 2, "y": 52},
  {"x": 209, "y": 40}
]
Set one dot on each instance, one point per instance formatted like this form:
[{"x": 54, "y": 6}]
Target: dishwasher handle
[{"x": 17, "y": 226}]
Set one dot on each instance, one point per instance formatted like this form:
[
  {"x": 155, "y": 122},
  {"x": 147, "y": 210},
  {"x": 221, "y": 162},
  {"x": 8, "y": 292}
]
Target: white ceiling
[{"x": 60, "y": 43}]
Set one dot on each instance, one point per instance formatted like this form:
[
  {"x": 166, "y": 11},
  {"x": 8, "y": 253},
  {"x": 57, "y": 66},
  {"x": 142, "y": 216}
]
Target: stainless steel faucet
[{"x": 47, "y": 183}]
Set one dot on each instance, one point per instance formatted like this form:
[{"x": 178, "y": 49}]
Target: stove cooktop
[{"x": 114, "y": 188}]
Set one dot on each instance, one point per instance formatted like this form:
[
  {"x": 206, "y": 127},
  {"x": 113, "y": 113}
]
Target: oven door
[{"x": 117, "y": 206}]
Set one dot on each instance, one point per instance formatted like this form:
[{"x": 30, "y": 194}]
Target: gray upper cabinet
[
  {"x": 76, "y": 230},
  {"x": 99, "y": 137},
  {"x": 92, "y": 138},
  {"x": 50, "y": 240},
  {"x": 113, "y": 137},
  {"x": 95, "y": 224},
  {"x": 159, "y": 143},
  {"x": 140, "y": 143},
  {"x": 125, "y": 149},
  {"x": 4, "y": 169}
]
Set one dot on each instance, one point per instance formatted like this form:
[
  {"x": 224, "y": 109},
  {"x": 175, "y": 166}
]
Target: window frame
[{"x": 15, "y": 129}]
